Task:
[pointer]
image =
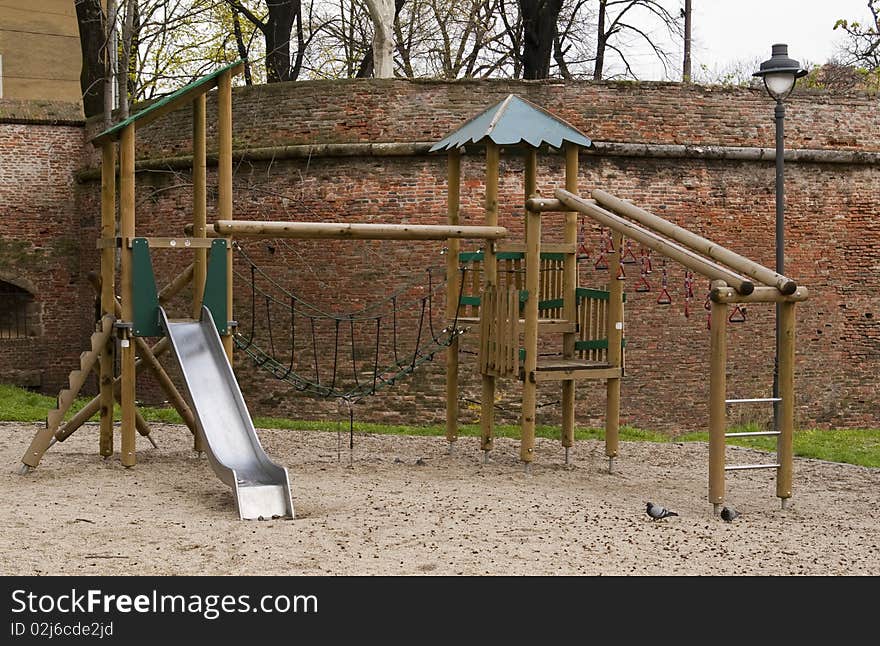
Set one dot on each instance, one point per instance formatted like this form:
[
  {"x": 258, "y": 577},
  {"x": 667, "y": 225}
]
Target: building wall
[
  {"x": 831, "y": 227},
  {"x": 43, "y": 240},
  {"x": 39, "y": 45}
]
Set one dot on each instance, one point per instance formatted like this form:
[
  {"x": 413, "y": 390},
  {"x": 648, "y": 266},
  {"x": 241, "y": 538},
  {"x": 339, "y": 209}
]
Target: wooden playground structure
[{"x": 534, "y": 294}]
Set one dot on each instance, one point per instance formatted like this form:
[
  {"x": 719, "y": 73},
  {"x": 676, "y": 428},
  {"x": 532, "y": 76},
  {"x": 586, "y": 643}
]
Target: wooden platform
[{"x": 557, "y": 369}]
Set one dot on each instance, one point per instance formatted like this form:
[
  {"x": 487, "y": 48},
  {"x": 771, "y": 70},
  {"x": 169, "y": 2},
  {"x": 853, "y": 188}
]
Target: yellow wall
[{"x": 39, "y": 43}]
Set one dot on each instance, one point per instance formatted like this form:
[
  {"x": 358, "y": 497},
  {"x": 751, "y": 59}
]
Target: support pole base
[
  {"x": 716, "y": 508},
  {"x": 610, "y": 465},
  {"x": 567, "y": 461},
  {"x": 24, "y": 469},
  {"x": 784, "y": 503},
  {"x": 485, "y": 457},
  {"x": 449, "y": 448},
  {"x": 527, "y": 468}
]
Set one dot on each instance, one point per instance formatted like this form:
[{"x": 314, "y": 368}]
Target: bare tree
[
  {"x": 382, "y": 12},
  {"x": 861, "y": 46},
  {"x": 617, "y": 19}
]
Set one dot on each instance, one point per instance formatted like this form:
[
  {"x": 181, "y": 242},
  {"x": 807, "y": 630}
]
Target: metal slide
[{"x": 261, "y": 487}]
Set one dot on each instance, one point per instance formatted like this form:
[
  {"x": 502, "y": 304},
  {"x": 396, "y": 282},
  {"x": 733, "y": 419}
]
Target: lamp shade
[{"x": 780, "y": 72}]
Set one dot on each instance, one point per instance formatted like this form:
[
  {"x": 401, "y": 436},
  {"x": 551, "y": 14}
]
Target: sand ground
[{"x": 405, "y": 507}]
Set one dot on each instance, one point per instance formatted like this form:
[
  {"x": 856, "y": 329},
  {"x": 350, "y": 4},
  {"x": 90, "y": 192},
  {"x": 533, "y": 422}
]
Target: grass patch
[{"x": 859, "y": 446}]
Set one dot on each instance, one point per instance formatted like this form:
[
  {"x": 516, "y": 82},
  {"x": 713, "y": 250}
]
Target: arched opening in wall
[{"x": 18, "y": 311}]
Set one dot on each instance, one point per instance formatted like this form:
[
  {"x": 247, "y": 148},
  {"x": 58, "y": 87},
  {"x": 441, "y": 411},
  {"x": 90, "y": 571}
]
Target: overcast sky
[{"x": 726, "y": 31}]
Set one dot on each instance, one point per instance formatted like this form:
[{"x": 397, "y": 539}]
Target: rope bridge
[{"x": 355, "y": 368}]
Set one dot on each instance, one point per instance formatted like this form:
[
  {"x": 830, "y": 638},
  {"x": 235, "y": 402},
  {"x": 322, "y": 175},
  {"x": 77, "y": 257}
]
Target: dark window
[{"x": 16, "y": 309}]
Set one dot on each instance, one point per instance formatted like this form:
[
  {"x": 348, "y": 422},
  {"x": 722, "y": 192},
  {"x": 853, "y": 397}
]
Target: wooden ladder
[{"x": 76, "y": 379}]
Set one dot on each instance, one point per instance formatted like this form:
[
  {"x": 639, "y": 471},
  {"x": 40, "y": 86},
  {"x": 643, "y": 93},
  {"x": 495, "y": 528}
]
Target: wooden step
[
  {"x": 551, "y": 326},
  {"x": 557, "y": 369}
]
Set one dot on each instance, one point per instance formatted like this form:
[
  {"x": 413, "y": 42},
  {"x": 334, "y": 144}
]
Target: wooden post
[
  {"x": 200, "y": 207},
  {"x": 127, "y": 232},
  {"x": 453, "y": 289},
  {"x": 717, "y": 406},
  {"x": 530, "y": 334},
  {"x": 614, "y": 333},
  {"x": 490, "y": 273},
  {"x": 108, "y": 300},
  {"x": 224, "y": 179},
  {"x": 569, "y": 290},
  {"x": 200, "y": 193},
  {"x": 784, "y": 449}
]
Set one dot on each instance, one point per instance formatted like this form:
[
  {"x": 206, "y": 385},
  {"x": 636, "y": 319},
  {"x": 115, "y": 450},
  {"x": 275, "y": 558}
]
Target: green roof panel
[{"x": 514, "y": 121}]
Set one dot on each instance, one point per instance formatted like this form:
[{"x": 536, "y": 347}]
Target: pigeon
[
  {"x": 656, "y": 511},
  {"x": 729, "y": 513}
]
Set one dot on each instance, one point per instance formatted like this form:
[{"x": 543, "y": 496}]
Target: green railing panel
[
  {"x": 215, "y": 286},
  {"x": 551, "y": 304},
  {"x": 145, "y": 297}
]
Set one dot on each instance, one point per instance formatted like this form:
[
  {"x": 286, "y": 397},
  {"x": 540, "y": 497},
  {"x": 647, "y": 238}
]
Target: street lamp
[{"x": 780, "y": 73}]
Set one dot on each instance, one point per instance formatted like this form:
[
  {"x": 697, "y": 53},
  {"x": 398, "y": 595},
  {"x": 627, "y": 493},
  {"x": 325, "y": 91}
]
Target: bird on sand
[
  {"x": 657, "y": 511},
  {"x": 729, "y": 513}
]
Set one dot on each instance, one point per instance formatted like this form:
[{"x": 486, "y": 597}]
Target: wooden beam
[
  {"x": 224, "y": 188},
  {"x": 530, "y": 334},
  {"x": 490, "y": 280},
  {"x": 108, "y": 297},
  {"x": 784, "y": 448},
  {"x": 343, "y": 231},
  {"x": 717, "y": 396},
  {"x": 760, "y": 295},
  {"x": 453, "y": 289},
  {"x": 126, "y": 351},
  {"x": 569, "y": 290},
  {"x": 653, "y": 241},
  {"x": 696, "y": 243}
]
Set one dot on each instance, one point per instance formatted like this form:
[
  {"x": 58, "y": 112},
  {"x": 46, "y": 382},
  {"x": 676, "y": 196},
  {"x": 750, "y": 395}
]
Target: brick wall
[
  {"x": 831, "y": 228},
  {"x": 43, "y": 241}
]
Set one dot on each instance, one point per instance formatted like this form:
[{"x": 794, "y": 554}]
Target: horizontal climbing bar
[
  {"x": 760, "y": 295},
  {"x": 753, "y": 400},
  {"x": 343, "y": 231},
  {"x": 695, "y": 242},
  {"x": 752, "y": 434},
  {"x": 749, "y": 467},
  {"x": 686, "y": 257}
]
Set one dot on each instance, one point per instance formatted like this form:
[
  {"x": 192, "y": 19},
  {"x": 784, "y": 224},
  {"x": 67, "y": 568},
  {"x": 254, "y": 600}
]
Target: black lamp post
[{"x": 780, "y": 73}]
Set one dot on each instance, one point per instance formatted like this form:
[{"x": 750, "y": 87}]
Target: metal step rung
[
  {"x": 751, "y": 434},
  {"x": 753, "y": 400},
  {"x": 744, "y": 467}
]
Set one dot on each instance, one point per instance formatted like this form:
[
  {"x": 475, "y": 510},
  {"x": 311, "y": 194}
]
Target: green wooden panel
[
  {"x": 595, "y": 344},
  {"x": 145, "y": 297},
  {"x": 550, "y": 304},
  {"x": 586, "y": 292},
  {"x": 470, "y": 300},
  {"x": 215, "y": 286}
]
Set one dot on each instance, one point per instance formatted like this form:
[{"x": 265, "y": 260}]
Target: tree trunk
[
  {"x": 242, "y": 50},
  {"x": 539, "y": 30},
  {"x": 601, "y": 38},
  {"x": 277, "y": 30},
  {"x": 686, "y": 68},
  {"x": 382, "y": 13},
  {"x": 90, "y": 18}
]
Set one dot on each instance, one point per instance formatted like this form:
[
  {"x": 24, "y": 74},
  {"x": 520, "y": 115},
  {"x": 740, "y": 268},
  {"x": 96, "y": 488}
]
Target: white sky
[{"x": 727, "y": 31}]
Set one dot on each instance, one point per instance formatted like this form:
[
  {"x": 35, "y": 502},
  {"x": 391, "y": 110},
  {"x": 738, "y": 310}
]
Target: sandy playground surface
[{"x": 405, "y": 507}]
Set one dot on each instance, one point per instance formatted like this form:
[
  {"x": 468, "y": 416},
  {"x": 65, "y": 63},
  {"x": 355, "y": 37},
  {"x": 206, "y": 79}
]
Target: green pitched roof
[
  {"x": 167, "y": 103},
  {"x": 514, "y": 121}
]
